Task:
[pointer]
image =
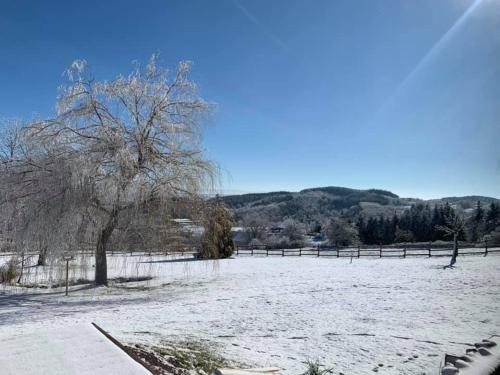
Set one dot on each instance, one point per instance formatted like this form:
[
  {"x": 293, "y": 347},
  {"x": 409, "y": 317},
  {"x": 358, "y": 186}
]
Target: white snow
[
  {"x": 76, "y": 349},
  {"x": 403, "y": 314}
]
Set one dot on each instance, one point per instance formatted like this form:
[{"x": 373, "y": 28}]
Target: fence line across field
[
  {"x": 388, "y": 251},
  {"x": 360, "y": 252}
]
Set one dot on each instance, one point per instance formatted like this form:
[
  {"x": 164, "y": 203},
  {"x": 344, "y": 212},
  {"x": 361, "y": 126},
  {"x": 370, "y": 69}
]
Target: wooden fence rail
[{"x": 375, "y": 252}]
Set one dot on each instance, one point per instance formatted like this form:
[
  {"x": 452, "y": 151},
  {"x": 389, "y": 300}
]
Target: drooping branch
[{"x": 112, "y": 147}]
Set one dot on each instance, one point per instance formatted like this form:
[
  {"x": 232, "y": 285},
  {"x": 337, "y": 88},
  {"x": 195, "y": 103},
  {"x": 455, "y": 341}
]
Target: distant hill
[{"x": 319, "y": 204}]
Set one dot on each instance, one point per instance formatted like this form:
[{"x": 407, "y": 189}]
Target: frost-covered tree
[
  {"x": 341, "y": 233},
  {"x": 293, "y": 230},
  {"x": 453, "y": 227},
  {"x": 34, "y": 187},
  {"x": 255, "y": 224},
  {"x": 123, "y": 144}
]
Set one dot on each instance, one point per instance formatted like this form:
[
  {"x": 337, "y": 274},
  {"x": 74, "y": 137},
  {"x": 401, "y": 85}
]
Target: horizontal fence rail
[{"x": 372, "y": 252}]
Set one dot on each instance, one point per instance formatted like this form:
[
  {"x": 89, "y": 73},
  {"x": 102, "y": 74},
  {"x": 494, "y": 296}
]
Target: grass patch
[
  {"x": 182, "y": 358},
  {"x": 315, "y": 368},
  {"x": 81, "y": 281}
]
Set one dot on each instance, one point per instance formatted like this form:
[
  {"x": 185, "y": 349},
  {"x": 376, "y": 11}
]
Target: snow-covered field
[{"x": 403, "y": 314}]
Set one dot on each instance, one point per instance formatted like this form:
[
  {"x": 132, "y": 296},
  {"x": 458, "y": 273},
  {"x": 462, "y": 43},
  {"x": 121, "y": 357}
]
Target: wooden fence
[{"x": 374, "y": 252}]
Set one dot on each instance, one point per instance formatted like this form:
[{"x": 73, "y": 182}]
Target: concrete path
[{"x": 76, "y": 350}]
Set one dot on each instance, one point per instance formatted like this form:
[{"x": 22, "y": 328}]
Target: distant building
[{"x": 276, "y": 230}]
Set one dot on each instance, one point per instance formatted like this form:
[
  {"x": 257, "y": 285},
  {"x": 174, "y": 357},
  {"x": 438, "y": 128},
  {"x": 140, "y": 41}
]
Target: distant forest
[
  {"x": 420, "y": 223},
  {"x": 347, "y": 216}
]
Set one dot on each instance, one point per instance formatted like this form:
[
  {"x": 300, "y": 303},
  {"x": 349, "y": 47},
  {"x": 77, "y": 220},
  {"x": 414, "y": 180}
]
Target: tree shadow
[{"x": 179, "y": 260}]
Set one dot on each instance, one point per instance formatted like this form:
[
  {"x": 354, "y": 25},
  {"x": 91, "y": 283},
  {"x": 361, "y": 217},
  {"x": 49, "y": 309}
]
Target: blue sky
[{"x": 399, "y": 95}]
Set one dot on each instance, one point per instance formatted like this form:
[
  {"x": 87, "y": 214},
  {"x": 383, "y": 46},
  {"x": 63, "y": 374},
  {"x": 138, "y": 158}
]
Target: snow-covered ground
[{"x": 403, "y": 314}]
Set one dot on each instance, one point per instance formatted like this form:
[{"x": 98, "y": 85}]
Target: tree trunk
[
  {"x": 101, "y": 267},
  {"x": 42, "y": 257},
  {"x": 455, "y": 251}
]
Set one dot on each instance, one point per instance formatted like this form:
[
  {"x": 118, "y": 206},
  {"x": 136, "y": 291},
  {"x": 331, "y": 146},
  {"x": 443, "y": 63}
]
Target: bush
[
  {"x": 314, "y": 368},
  {"x": 284, "y": 242},
  {"x": 493, "y": 237},
  {"x": 217, "y": 241},
  {"x": 255, "y": 242},
  {"x": 10, "y": 271},
  {"x": 341, "y": 233}
]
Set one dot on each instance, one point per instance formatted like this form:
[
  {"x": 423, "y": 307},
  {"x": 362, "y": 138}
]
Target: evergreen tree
[
  {"x": 418, "y": 223},
  {"x": 492, "y": 217},
  {"x": 380, "y": 229},
  {"x": 394, "y": 227},
  {"x": 371, "y": 231},
  {"x": 476, "y": 224},
  {"x": 360, "y": 224},
  {"x": 389, "y": 232},
  {"x": 435, "y": 221},
  {"x": 217, "y": 241}
]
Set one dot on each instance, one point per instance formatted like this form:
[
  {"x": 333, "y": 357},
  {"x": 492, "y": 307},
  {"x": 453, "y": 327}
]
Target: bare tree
[
  {"x": 294, "y": 230},
  {"x": 255, "y": 224},
  {"x": 10, "y": 139},
  {"x": 341, "y": 233},
  {"x": 125, "y": 144},
  {"x": 454, "y": 226}
]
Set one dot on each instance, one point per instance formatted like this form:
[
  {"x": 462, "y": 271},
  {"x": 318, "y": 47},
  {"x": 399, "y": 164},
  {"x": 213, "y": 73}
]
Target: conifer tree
[
  {"x": 492, "y": 217},
  {"x": 217, "y": 241},
  {"x": 477, "y": 223}
]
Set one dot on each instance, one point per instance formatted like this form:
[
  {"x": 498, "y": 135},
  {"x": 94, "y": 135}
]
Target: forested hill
[{"x": 318, "y": 204}]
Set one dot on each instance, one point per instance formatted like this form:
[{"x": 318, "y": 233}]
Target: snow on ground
[
  {"x": 79, "y": 349},
  {"x": 403, "y": 314}
]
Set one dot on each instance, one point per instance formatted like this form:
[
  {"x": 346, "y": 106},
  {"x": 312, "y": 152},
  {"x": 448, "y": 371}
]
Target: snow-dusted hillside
[{"x": 397, "y": 315}]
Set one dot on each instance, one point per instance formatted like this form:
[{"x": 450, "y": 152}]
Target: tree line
[{"x": 421, "y": 223}]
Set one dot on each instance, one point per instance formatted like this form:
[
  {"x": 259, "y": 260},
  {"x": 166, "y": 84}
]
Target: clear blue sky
[{"x": 401, "y": 95}]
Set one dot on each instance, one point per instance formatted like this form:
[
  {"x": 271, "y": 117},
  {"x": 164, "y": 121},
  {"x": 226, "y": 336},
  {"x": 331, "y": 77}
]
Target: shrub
[
  {"x": 10, "y": 271},
  {"x": 217, "y": 241},
  {"x": 315, "y": 368}
]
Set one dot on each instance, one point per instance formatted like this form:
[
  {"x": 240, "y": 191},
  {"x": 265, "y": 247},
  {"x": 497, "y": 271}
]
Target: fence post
[
  {"x": 22, "y": 268},
  {"x": 67, "y": 271},
  {"x": 252, "y": 251},
  {"x": 359, "y": 251},
  {"x": 67, "y": 257},
  {"x": 318, "y": 250},
  {"x": 267, "y": 252},
  {"x": 282, "y": 252},
  {"x": 404, "y": 252},
  {"x": 485, "y": 248},
  {"x": 237, "y": 250},
  {"x": 338, "y": 252},
  {"x": 430, "y": 246},
  {"x": 300, "y": 251},
  {"x": 380, "y": 251}
]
